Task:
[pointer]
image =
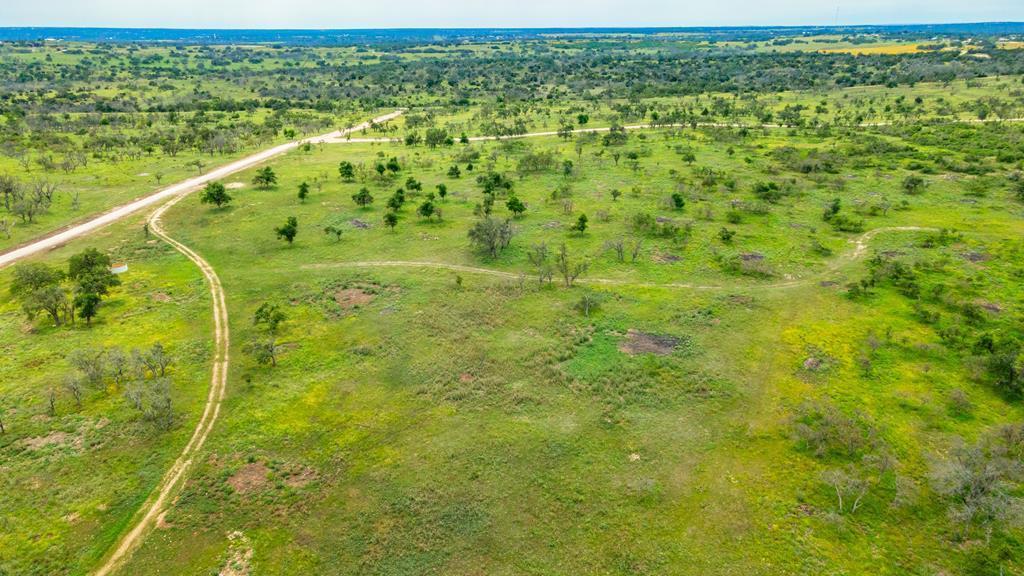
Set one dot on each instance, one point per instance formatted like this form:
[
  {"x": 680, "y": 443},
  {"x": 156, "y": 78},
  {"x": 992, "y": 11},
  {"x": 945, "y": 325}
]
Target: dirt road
[
  {"x": 345, "y": 140},
  {"x": 60, "y": 237}
]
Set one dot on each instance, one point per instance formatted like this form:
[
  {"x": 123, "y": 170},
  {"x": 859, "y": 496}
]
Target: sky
[{"x": 495, "y": 13}]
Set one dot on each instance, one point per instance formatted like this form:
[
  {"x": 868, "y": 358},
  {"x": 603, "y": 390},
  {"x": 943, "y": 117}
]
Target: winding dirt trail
[
  {"x": 163, "y": 496},
  {"x": 154, "y": 506},
  {"x": 860, "y": 245}
]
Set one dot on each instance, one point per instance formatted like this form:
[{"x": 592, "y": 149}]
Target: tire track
[
  {"x": 860, "y": 244},
  {"x": 155, "y": 506},
  {"x": 172, "y": 480}
]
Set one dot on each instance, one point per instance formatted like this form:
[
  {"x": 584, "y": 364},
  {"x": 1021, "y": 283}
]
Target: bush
[{"x": 825, "y": 432}]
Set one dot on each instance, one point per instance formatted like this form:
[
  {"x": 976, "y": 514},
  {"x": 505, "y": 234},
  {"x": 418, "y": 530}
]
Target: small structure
[{"x": 119, "y": 267}]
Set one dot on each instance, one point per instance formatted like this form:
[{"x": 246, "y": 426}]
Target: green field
[{"x": 784, "y": 349}]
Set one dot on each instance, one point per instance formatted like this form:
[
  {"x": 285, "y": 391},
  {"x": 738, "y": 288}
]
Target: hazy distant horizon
[{"x": 471, "y": 14}]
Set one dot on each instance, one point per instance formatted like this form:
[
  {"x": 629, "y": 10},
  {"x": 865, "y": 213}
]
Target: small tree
[
  {"x": 156, "y": 360},
  {"x": 347, "y": 171},
  {"x": 90, "y": 269},
  {"x": 88, "y": 306},
  {"x": 515, "y": 206},
  {"x": 74, "y": 387},
  {"x": 427, "y": 209},
  {"x": 569, "y": 270},
  {"x": 217, "y": 194},
  {"x": 37, "y": 287},
  {"x": 539, "y": 258},
  {"x": 436, "y": 137},
  {"x": 263, "y": 350},
  {"x": 335, "y": 230},
  {"x": 725, "y": 235},
  {"x": 581, "y": 224},
  {"x": 391, "y": 220},
  {"x": 442, "y": 191},
  {"x": 616, "y": 193},
  {"x": 90, "y": 363},
  {"x": 849, "y": 487},
  {"x": 397, "y": 200},
  {"x": 913, "y": 185},
  {"x": 265, "y": 178},
  {"x": 363, "y": 198},
  {"x": 454, "y": 172},
  {"x": 303, "y": 191},
  {"x": 269, "y": 315},
  {"x": 491, "y": 236},
  {"x": 588, "y": 303},
  {"x": 289, "y": 230},
  {"x": 678, "y": 202}
]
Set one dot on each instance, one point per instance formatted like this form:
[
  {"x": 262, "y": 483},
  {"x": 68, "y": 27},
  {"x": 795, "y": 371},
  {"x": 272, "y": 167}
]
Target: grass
[
  {"x": 449, "y": 421},
  {"x": 100, "y": 460},
  {"x": 393, "y": 434}
]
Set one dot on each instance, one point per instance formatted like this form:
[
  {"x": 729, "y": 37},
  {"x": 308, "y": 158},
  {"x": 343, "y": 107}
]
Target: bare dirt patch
[
  {"x": 665, "y": 258},
  {"x": 990, "y": 306},
  {"x": 160, "y": 297},
  {"x": 250, "y": 478},
  {"x": 162, "y": 523},
  {"x": 55, "y": 438},
  {"x": 239, "y": 561},
  {"x": 350, "y": 298},
  {"x": 300, "y": 476},
  {"x": 234, "y": 185},
  {"x": 637, "y": 342}
]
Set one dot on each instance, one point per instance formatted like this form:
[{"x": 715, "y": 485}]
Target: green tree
[
  {"x": 442, "y": 191},
  {"x": 391, "y": 220},
  {"x": 335, "y": 230},
  {"x": 90, "y": 270},
  {"x": 588, "y": 303},
  {"x": 37, "y": 287},
  {"x": 913, "y": 185},
  {"x": 88, "y": 305},
  {"x": 347, "y": 171},
  {"x": 515, "y": 206},
  {"x": 678, "y": 202},
  {"x": 454, "y": 171},
  {"x": 265, "y": 178},
  {"x": 215, "y": 193},
  {"x": 427, "y": 209},
  {"x": 263, "y": 350},
  {"x": 581, "y": 224},
  {"x": 303, "y": 191},
  {"x": 397, "y": 200},
  {"x": 289, "y": 230},
  {"x": 363, "y": 198},
  {"x": 436, "y": 137},
  {"x": 270, "y": 316}
]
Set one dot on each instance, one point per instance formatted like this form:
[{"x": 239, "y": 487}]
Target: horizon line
[{"x": 523, "y": 28}]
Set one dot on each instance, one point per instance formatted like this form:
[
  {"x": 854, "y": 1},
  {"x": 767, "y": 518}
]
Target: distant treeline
[{"x": 448, "y": 35}]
